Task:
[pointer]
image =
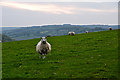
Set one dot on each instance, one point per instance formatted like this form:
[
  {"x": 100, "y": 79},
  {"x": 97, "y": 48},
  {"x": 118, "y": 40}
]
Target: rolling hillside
[
  {"x": 24, "y": 33},
  {"x": 92, "y": 55},
  {"x": 5, "y": 38}
]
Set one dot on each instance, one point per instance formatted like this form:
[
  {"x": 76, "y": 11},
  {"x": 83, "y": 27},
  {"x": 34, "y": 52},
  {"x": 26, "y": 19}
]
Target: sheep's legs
[{"x": 44, "y": 57}]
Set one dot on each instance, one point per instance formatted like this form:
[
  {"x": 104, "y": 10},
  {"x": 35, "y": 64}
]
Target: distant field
[
  {"x": 92, "y": 55},
  {"x": 24, "y": 33}
]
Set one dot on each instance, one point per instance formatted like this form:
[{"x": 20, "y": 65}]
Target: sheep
[
  {"x": 86, "y": 31},
  {"x": 71, "y": 33},
  {"x": 110, "y": 28},
  {"x": 43, "y": 47}
]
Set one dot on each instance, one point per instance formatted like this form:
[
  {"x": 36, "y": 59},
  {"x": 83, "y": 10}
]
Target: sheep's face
[{"x": 43, "y": 40}]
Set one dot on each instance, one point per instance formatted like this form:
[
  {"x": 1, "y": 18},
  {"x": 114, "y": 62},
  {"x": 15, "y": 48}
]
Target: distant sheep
[
  {"x": 43, "y": 47},
  {"x": 86, "y": 31},
  {"x": 110, "y": 28},
  {"x": 71, "y": 33}
]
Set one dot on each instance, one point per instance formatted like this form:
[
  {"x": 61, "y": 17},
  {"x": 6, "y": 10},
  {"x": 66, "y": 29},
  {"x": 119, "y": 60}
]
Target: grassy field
[{"x": 92, "y": 55}]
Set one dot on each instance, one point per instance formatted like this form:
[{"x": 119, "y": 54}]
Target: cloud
[
  {"x": 50, "y": 8},
  {"x": 97, "y": 10},
  {"x": 54, "y": 9}
]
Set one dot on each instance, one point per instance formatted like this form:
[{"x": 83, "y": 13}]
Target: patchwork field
[{"x": 92, "y": 55}]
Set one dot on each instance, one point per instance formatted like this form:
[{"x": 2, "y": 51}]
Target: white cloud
[
  {"x": 97, "y": 10},
  {"x": 50, "y": 8},
  {"x": 54, "y": 9}
]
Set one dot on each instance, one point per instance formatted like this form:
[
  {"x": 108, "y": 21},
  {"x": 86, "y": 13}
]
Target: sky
[
  {"x": 63, "y": 0},
  {"x": 21, "y": 14}
]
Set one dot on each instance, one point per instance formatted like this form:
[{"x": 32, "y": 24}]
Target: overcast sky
[{"x": 42, "y": 13}]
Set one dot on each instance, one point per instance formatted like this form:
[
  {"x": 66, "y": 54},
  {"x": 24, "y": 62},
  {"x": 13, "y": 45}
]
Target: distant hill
[
  {"x": 24, "y": 33},
  {"x": 9, "y": 28},
  {"x": 6, "y": 38}
]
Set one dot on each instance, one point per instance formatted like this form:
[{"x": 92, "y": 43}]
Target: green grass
[{"x": 92, "y": 55}]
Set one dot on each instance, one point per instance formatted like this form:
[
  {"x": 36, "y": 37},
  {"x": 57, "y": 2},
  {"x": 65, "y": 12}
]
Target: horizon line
[{"x": 58, "y": 24}]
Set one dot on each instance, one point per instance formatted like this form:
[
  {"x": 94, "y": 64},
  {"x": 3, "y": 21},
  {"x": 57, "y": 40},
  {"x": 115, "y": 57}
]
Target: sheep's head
[
  {"x": 43, "y": 40},
  {"x": 86, "y": 31},
  {"x": 110, "y": 28}
]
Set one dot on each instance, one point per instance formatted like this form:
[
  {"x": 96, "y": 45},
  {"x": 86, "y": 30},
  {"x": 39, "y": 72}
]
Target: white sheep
[
  {"x": 43, "y": 47},
  {"x": 86, "y": 31},
  {"x": 71, "y": 33},
  {"x": 110, "y": 28}
]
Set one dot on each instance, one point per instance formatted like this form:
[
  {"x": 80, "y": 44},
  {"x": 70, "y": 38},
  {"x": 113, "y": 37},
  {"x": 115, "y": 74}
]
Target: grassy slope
[{"x": 92, "y": 55}]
